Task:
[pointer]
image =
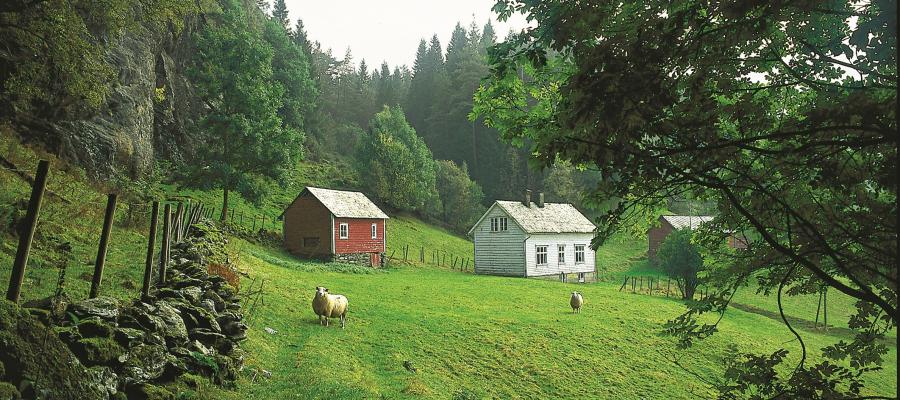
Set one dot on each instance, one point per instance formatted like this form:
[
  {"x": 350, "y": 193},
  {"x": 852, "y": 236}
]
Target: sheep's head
[
  {"x": 574, "y": 293},
  {"x": 321, "y": 290}
]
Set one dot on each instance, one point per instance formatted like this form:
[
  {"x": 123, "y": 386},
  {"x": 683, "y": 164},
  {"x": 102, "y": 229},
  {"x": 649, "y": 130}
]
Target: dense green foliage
[
  {"x": 244, "y": 87},
  {"x": 460, "y": 196},
  {"x": 681, "y": 260},
  {"x": 781, "y": 114},
  {"x": 395, "y": 164}
]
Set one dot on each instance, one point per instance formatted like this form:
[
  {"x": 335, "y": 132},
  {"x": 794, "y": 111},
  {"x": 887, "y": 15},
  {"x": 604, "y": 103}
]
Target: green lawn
[{"x": 496, "y": 337}]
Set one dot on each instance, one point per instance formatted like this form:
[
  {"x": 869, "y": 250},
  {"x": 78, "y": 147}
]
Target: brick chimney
[
  {"x": 527, "y": 201},
  {"x": 540, "y": 202}
]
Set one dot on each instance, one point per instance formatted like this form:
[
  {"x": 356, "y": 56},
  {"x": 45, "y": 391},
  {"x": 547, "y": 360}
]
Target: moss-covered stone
[
  {"x": 36, "y": 359},
  {"x": 192, "y": 381},
  {"x": 94, "y": 327},
  {"x": 97, "y": 351},
  {"x": 149, "y": 392}
]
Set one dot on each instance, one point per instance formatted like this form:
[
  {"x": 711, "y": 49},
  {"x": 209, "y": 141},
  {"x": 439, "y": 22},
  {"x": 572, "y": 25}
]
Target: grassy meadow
[
  {"x": 462, "y": 336},
  {"x": 487, "y": 337}
]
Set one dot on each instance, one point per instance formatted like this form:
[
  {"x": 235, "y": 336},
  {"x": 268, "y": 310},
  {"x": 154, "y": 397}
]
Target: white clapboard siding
[
  {"x": 499, "y": 253},
  {"x": 553, "y": 267}
]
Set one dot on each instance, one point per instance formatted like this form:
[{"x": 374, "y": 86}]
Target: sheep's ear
[{"x": 326, "y": 289}]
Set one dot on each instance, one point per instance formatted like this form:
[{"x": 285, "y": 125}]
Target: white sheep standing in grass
[
  {"x": 329, "y": 306},
  {"x": 576, "y": 301}
]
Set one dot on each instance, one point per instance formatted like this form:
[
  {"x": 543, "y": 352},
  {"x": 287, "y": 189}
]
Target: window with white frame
[
  {"x": 374, "y": 231},
  {"x": 561, "y": 254},
  {"x": 541, "y": 255},
  {"x": 579, "y": 254},
  {"x": 499, "y": 224},
  {"x": 344, "y": 231}
]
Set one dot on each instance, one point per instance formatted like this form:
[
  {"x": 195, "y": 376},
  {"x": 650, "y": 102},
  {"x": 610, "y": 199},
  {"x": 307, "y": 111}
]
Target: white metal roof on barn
[
  {"x": 551, "y": 218},
  {"x": 345, "y": 204},
  {"x": 686, "y": 221}
]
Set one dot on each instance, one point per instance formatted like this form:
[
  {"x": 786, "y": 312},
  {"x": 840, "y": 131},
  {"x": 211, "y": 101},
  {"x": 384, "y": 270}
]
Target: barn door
[{"x": 374, "y": 260}]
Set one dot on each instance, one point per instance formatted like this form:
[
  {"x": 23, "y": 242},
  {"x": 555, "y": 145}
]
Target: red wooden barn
[
  {"x": 335, "y": 225},
  {"x": 669, "y": 223}
]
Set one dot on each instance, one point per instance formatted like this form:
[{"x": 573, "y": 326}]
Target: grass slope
[{"x": 490, "y": 336}]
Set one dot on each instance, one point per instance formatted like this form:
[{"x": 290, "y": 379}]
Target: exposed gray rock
[
  {"x": 173, "y": 329},
  {"x": 144, "y": 363},
  {"x": 104, "y": 378},
  {"x": 103, "y": 307}
]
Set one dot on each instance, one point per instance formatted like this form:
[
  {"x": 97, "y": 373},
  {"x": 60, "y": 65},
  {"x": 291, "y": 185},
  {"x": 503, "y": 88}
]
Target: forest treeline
[{"x": 271, "y": 95}]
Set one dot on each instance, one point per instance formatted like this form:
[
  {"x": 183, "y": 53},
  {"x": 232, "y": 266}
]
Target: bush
[
  {"x": 395, "y": 163},
  {"x": 681, "y": 260}
]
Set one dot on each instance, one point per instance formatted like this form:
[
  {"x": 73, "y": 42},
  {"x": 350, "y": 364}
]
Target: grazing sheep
[
  {"x": 576, "y": 301},
  {"x": 329, "y": 305}
]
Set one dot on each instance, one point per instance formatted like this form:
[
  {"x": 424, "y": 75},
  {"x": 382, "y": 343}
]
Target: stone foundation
[{"x": 356, "y": 258}]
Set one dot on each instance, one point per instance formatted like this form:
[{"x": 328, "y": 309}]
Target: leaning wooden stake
[
  {"x": 27, "y": 233},
  {"x": 179, "y": 220},
  {"x": 104, "y": 242},
  {"x": 164, "y": 248},
  {"x": 151, "y": 243}
]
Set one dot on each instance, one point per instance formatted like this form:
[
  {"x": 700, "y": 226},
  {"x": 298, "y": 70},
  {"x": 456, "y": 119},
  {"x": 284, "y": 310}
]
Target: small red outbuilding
[{"x": 335, "y": 225}]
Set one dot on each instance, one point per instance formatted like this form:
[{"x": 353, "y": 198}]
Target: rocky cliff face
[{"x": 151, "y": 112}]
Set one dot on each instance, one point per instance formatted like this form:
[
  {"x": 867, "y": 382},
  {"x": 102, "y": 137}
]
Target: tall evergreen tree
[
  {"x": 488, "y": 37},
  {"x": 458, "y": 41},
  {"x": 280, "y": 14},
  {"x": 417, "y": 98},
  {"x": 385, "y": 90}
]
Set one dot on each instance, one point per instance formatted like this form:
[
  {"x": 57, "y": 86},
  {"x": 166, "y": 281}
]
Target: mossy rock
[
  {"x": 97, "y": 351},
  {"x": 34, "y": 358},
  {"x": 192, "y": 381},
  {"x": 150, "y": 392},
  {"x": 94, "y": 327},
  {"x": 8, "y": 391}
]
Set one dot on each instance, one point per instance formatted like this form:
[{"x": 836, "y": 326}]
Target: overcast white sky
[{"x": 390, "y": 30}]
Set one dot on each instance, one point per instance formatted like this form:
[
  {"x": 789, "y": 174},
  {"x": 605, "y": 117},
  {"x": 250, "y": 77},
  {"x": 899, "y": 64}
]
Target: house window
[
  {"x": 579, "y": 254},
  {"x": 561, "y": 251},
  {"x": 374, "y": 231},
  {"x": 344, "y": 231},
  {"x": 310, "y": 242},
  {"x": 541, "y": 255},
  {"x": 499, "y": 224}
]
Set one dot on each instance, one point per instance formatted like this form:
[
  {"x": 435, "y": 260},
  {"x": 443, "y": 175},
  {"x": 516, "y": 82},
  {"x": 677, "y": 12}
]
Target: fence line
[
  {"x": 439, "y": 258},
  {"x": 654, "y": 285}
]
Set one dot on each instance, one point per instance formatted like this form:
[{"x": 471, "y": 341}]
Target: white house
[{"x": 533, "y": 239}]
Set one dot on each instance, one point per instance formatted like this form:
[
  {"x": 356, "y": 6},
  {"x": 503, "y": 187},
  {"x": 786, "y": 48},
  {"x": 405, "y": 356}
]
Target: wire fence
[{"x": 436, "y": 257}]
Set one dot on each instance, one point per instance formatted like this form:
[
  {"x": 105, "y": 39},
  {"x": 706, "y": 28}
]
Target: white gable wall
[
  {"x": 499, "y": 253},
  {"x": 553, "y": 267}
]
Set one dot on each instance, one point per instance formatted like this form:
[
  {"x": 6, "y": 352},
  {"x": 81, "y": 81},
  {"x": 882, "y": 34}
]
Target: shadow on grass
[{"x": 839, "y": 332}]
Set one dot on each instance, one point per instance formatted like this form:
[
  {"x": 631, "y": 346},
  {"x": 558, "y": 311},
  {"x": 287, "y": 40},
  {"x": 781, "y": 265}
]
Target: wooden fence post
[
  {"x": 825, "y": 307},
  {"x": 668, "y": 282},
  {"x": 151, "y": 243},
  {"x": 164, "y": 248},
  {"x": 624, "y": 283},
  {"x": 26, "y": 234},
  {"x": 104, "y": 242},
  {"x": 179, "y": 218},
  {"x": 633, "y": 279}
]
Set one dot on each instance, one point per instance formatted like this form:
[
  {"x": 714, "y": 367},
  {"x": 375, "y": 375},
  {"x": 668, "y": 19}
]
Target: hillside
[{"x": 485, "y": 337}]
